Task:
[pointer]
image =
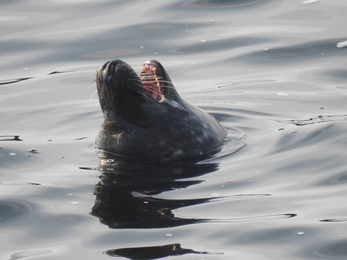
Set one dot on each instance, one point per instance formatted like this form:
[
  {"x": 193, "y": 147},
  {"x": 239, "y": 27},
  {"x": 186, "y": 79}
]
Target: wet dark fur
[{"x": 136, "y": 125}]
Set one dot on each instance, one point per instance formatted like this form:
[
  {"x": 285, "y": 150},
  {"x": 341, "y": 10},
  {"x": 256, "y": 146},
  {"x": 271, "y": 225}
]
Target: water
[{"x": 270, "y": 71}]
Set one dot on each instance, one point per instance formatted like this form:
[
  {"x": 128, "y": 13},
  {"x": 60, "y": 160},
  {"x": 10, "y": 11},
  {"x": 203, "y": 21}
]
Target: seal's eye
[{"x": 151, "y": 81}]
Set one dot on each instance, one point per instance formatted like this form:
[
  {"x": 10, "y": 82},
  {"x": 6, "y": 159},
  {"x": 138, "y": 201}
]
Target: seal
[{"x": 145, "y": 117}]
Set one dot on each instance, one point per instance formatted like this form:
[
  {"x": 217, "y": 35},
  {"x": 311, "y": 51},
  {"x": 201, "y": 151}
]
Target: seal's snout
[{"x": 109, "y": 69}]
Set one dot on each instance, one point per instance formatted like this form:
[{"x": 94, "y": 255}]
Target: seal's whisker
[
  {"x": 161, "y": 81},
  {"x": 119, "y": 137},
  {"x": 150, "y": 77},
  {"x": 154, "y": 90},
  {"x": 145, "y": 96},
  {"x": 91, "y": 85},
  {"x": 168, "y": 82},
  {"x": 90, "y": 99},
  {"x": 140, "y": 85}
]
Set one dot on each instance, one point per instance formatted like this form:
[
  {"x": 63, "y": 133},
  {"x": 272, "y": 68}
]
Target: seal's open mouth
[{"x": 151, "y": 78}]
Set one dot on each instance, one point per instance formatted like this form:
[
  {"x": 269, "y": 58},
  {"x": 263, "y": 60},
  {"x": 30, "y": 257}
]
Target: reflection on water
[
  {"x": 220, "y": 45},
  {"x": 125, "y": 198},
  {"x": 9, "y": 210},
  {"x": 336, "y": 250},
  {"x": 123, "y": 195},
  {"x": 5, "y": 82},
  {"x": 223, "y": 3},
  {"x": 318, "y": 119},
  {"x": 10, "y": 138},
  {"x": 308, "y": 50},
  {"x": 153, "y": 252}
]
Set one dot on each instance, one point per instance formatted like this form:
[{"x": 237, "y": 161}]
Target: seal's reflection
[
  {"x": 125, "y": 198},
  {"x": 124, "y": 194},
  {"x": 154, "y": 252}
]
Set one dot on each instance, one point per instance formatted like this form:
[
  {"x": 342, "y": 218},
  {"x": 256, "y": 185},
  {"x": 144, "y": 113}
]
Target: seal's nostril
[{"x": 110, "y": 68}]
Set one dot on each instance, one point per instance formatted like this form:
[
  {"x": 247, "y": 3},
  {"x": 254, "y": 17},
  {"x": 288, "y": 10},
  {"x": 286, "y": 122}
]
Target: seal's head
[
  {"x": 146, "y": 118},
  {"x": 122, "y": 93}
]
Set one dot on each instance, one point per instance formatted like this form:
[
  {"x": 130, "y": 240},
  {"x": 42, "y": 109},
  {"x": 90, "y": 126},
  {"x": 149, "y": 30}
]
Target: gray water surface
[{"x": 270, "y": 71}]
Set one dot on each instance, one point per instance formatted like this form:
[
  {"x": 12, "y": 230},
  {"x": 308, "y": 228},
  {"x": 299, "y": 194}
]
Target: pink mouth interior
[{"x": 151, "y": 81}]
